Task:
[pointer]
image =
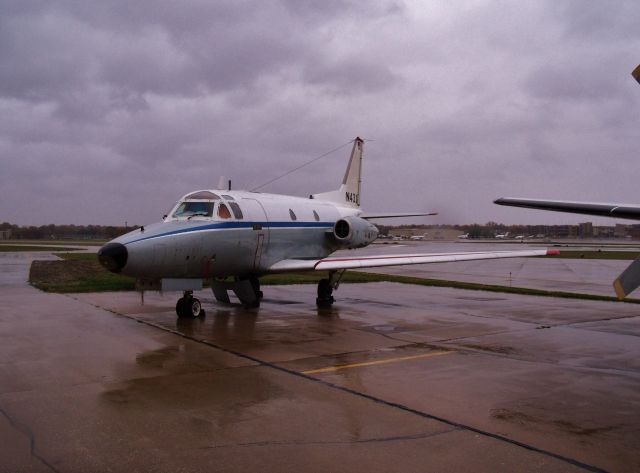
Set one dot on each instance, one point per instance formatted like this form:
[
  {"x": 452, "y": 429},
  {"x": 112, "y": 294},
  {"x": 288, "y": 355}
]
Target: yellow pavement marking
[{"x": 378, "y": 362}]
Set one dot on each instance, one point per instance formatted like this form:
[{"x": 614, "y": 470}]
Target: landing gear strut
[
  {"x": 326, "y": 287},
  {"x": 255, "y": 284},
  {"x": 189, "y": 306}
]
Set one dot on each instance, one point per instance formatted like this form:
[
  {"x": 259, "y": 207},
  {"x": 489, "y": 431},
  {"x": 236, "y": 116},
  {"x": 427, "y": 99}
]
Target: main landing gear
[
  {"x": 326, "y": 287},
  {"x": 189, "y": 306},
  {"x": 247, "y": 289}
]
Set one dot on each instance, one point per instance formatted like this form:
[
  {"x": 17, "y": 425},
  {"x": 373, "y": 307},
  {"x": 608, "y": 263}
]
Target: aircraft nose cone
[{"x": 113, "y": 256}]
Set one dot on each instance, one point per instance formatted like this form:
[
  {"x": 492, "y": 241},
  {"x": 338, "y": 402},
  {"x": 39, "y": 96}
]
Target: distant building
[
  {"x": 5, "y": 234},
  {"x": 585, "y": 230},
  {"x": 634, "y": 231},
  {"x": 621, "y": 230},
  {"x": 564, "y": 231},
  {"x": 603, "y": 232}
]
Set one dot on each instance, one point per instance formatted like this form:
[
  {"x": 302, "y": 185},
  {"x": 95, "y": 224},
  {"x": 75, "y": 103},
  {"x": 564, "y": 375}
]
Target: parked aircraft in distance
[{"x": 232, "y": 238}]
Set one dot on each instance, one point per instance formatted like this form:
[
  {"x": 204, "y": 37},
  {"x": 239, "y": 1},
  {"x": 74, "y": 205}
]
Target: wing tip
[
  {"x": 617, "y": 286},
  {"x": 553, "y": 252},
  {"x": 636, "y": 73}
]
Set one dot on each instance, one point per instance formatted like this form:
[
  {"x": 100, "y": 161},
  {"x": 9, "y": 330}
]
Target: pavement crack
[
  {"x": 604, "y": 319},
  {"x": 27, "y": 432},
  {"x": 399, "y": 438}
]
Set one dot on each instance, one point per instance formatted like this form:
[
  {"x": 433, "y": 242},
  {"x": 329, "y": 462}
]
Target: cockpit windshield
[
  {"x": 203, "y": 195},
  {"x": 194, "y": 209}
]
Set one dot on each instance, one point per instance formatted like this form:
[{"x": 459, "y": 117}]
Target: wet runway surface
[
  {"x": 393, "y": 378},
  {"x": 584, "y": 276}
]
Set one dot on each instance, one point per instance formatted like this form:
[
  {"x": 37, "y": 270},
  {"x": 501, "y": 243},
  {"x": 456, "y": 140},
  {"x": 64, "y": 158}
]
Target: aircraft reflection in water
[{"x": 232, "y": 238}]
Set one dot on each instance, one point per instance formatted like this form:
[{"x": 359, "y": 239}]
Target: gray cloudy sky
[{"x": 110, "y": 110}]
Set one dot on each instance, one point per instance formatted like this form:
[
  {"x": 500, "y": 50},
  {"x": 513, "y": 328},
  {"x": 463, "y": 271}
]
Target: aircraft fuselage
[{"x": 269, "y": 228}]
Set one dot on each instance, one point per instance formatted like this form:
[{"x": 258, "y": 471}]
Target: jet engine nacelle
[{"x": 353, "y": 232}]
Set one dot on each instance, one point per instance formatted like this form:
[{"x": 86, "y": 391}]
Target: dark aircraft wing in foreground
[{"x": 630, "y": 211}]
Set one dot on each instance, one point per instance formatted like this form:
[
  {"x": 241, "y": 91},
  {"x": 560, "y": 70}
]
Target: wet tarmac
[
  {"x": 586, "y": 276},
  {"x": 393, "y": 378}
]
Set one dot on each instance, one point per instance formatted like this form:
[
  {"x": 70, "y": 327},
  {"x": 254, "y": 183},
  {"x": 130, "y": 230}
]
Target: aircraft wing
[
  {"x": 374, "y": 261},
  {"x": 636, "y": 74},
  {"x": 628, "y": 211}
]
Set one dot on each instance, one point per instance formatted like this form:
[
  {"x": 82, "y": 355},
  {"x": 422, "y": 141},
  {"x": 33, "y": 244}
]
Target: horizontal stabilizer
[
  {"x": 375, "y": 261},
  {"x": 397, "y": 215},
  {"x": 628, "y": 281}
]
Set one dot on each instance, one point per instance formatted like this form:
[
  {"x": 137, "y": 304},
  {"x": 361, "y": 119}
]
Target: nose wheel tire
[{"x": 189, "y": 307}]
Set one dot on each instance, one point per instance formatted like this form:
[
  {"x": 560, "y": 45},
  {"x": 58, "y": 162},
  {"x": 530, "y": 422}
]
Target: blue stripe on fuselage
[{"x": 228, "y": 225}]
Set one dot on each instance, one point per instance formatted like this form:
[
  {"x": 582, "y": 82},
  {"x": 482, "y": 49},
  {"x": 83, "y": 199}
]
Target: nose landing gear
[{"x": 189, "y": 306}]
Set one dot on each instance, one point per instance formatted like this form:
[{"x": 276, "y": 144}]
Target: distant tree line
[
  {"x": 65, "y": 232},
  {"x": 488, "y": 230}
]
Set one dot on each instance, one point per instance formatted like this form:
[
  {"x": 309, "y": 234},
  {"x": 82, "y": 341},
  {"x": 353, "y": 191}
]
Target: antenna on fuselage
[{"x": 302, "y": 165}]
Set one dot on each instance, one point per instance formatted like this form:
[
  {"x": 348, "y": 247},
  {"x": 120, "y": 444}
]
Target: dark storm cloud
[
  {"x": 351, "y": 75},
  {"x": 111, "y": 110},
  {"x": 593, "y": 21}
]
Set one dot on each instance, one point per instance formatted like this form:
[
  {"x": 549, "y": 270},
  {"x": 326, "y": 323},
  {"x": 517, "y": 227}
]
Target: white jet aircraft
[{"x": 232, "y": 238}]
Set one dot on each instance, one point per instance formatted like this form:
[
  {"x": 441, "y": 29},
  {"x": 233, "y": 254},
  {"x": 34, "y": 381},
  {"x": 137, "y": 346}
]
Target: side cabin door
[{"x": 260, "y": 228}]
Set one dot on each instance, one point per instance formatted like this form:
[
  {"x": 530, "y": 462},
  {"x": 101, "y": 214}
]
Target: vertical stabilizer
[{"x": 349, "y": 192}]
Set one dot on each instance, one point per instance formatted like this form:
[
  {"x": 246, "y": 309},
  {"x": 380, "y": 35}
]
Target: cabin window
[
  {"x": 223, "y": 211},
  {"x": 237, "y": 211},
  {"x": 316, "y": 216},
  {"x": 292, "y": 215},
  {"x": 194, "y": 209},
  {"x": 203, "y": 195},
  {"x": 227, "y": 197}
]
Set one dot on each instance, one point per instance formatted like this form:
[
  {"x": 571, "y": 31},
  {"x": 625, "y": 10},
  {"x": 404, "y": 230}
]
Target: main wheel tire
[
  {"x": 180, "y": 305},
  {"x": 325, "y": 294},
  {"x": 194, "y": 308},
  {"x": 189, "y": 307}
]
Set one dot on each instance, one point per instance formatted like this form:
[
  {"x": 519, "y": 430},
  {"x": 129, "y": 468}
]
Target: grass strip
[
  {"x": 76, "y": 275},
  {"x": 503, "y": 289}
]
